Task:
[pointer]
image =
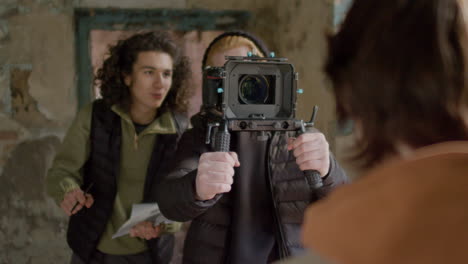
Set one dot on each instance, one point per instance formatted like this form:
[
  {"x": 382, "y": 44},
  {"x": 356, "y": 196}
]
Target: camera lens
[{"x": 254, "y": 89}]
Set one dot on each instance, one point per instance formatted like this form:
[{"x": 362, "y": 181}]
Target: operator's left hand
[
  {"x": 311, "y": 152},
  {"x": 145, "y": 230}
]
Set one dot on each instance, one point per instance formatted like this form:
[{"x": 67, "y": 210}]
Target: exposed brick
[{"x": 8, "y": 135}]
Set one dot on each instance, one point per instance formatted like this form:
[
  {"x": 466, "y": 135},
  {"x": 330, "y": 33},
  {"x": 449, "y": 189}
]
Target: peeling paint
[
  {"x": 19, "y": 257},
  {"x": 19, "y": 234},
  {"x": 38, "y": 154},
  {"x": 4, "y": 30},
  {"x": 8, "y": 8},
  {"x": 24, "y": 106},
  {"x": 8, "y": 144},
  {"x": 24, "y": 10},
  {"x": 5, "y": 98},
  {"x": 29, "y": 217}
]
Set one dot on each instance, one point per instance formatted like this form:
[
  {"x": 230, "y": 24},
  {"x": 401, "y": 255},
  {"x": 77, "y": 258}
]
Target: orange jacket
[{"x": 405, "y": 211}]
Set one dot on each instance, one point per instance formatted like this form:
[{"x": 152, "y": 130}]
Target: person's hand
[
  {"x": 73, "y": 196},
  {"x": 215, "y": 174},
  {"x": 311, "y": 152},
  {"x": 145, "y": 230}
]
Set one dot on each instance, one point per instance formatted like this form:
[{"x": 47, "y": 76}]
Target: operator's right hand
[
  {"x": 73, "y": 196},
  {"x": 215, "y": 174}
]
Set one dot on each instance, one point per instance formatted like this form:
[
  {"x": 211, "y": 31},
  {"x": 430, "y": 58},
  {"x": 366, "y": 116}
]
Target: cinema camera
[{"x": 253, "y": 94}]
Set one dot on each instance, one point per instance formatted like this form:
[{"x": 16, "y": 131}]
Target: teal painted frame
[
  {"x": 128, "y": 19},
  {"x": 340, "y": 9}
]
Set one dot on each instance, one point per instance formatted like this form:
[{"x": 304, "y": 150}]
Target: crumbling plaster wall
[{"x": 38, "y": 99}]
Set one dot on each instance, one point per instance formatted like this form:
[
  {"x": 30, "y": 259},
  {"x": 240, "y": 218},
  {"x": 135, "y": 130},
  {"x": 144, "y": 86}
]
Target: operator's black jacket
[
  {"x": 86, "y": 227},
  {"x": 209, "y": 234}
]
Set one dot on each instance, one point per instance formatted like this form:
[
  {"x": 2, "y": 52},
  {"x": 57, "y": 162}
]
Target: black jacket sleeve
[
  {"x": 175, "y": 195},
  {"x": 335, "y": 177}
]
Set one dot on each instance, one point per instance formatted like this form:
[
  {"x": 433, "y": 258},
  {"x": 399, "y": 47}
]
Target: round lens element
[{"x": 254, "y": 89}]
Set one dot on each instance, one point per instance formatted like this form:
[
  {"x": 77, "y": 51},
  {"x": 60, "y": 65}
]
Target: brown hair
[
  {"x": 398, "y": 68},
  {"x": 123, "y": 55}
]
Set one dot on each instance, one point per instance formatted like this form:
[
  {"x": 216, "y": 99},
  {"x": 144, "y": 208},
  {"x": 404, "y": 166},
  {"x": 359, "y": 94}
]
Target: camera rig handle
[
  {"x": 313, "y": 177},
  {"x": 222, "y": 137},
  {"x": 208, "y": 131}
]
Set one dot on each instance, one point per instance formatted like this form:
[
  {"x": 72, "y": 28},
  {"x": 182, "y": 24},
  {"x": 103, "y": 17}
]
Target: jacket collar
[{"x": 164, "y": 124}]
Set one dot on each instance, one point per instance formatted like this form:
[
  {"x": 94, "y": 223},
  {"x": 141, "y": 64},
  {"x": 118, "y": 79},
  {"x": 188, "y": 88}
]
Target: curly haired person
[{"x": 119, "y": 146}]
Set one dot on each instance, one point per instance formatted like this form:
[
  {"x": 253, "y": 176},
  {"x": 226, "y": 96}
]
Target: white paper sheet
[{"x": 142, "y": 212}]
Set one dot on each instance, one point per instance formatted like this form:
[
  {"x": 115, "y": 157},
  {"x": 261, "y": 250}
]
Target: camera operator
[{"x": 246, "y": 205}]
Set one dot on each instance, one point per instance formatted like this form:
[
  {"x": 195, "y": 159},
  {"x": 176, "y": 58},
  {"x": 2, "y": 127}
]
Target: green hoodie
[{"x": 65, "y": 173}]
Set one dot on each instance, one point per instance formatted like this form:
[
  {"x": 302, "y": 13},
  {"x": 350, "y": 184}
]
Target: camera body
[{"x": 253, "y": 93}]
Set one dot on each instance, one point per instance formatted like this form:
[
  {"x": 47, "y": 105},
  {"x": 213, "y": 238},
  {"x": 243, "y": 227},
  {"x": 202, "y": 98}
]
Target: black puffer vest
[{"x": 87, "y": 226}]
